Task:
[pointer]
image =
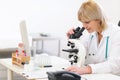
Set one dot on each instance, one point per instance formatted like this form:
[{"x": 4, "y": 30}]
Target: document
[
  {"x": 32, "y": 72},
  {"x": 38, "y": 73}
]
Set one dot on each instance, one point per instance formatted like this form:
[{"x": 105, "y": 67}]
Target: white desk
[
  {"x": 14, "y": 68},
  {"x": 19, "y": 70},
  {"x": 101, "y": 77},
  {"x": 10, "y": 68}
]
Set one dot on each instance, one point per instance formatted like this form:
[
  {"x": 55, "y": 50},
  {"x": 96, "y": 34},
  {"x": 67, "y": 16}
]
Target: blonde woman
[{"x": 102, "y": 44}]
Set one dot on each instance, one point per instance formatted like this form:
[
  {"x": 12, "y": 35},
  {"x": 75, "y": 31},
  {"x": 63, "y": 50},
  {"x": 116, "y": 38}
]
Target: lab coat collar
[
  {"x": 106, "y": 32},
  {"x": 110, "y": 29}
]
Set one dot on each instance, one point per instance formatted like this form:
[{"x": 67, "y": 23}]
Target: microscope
[
  {"x": 77, "y": 55},
  {"x": 77, "y": 51}
]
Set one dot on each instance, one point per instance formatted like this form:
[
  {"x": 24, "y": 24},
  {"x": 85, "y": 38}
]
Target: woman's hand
[
  {"x": 69, "y": 32},
  {"x": 80, "y": 70}
]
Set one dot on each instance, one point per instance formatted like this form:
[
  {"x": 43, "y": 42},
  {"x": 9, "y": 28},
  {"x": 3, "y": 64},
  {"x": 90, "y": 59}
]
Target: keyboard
[{"x": 43, "y": 60}]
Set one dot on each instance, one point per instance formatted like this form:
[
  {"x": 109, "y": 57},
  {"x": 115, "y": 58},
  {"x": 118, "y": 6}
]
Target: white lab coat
[{"x": 105, "y": 56}]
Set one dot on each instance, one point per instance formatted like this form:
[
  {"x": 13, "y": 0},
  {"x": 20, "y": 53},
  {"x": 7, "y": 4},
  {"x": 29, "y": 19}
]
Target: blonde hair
[{"x": 90, "y": 10}]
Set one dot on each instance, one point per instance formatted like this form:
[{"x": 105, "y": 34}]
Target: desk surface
[
  {"x": 8, "y": 64},
  {"x": 101, "y": 77},
  {"x": 19, "y": 70}
]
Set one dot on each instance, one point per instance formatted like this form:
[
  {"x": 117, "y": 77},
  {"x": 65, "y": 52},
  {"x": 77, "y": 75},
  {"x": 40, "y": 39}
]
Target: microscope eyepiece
[{"x": 77, "y": 33}]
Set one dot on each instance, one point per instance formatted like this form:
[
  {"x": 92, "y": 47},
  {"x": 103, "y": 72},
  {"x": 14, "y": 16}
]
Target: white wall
[
  {"x": 111, "y": 9},
  {"x": 48, "y": 16},
  {"x": 39, "y": 15}
]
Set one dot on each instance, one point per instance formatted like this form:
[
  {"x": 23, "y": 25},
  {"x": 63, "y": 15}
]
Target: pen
[{"x": 47, "y": 66}]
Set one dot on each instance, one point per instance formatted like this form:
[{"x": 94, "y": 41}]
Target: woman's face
[{"x": 92, "y": 25}]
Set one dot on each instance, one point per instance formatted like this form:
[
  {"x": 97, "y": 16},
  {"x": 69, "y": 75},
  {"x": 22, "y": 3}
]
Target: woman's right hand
[
  {"x": 80, "y": 70},
  {"x": 70, "y": 32}
]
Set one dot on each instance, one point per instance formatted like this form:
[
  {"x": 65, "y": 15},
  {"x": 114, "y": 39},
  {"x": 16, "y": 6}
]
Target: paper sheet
[
  {"x": 33, "y": 72},
  {"x": 38, "y": 73}
]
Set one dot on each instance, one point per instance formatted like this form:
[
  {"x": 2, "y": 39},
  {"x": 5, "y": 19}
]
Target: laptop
[
  {"x": 40, "y": 60},
  {"x": 24, "y": 36}
]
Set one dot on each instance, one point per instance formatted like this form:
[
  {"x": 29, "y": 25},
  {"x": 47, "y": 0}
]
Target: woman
[{"x": 102, "y": 44}]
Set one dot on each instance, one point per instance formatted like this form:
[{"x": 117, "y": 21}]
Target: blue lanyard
[
  {"x": 106, "y": 55},
  {"x": 106, "y": 52}
]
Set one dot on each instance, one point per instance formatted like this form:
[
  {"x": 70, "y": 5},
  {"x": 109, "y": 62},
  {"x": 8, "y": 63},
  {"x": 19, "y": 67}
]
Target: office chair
[{"x": 119, "y": 23}]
